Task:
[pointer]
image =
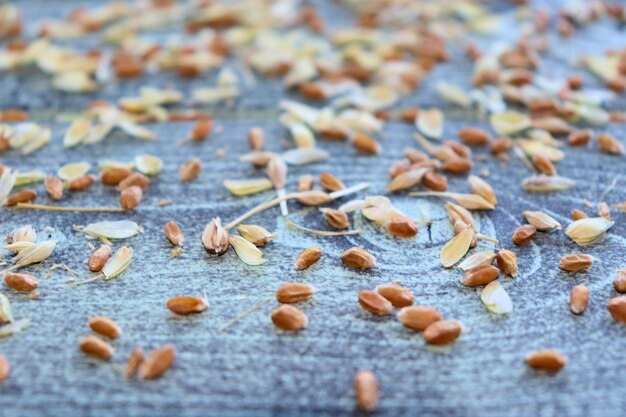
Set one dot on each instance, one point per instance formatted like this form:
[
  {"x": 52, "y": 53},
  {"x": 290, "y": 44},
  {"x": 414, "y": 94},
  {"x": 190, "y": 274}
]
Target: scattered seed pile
[{"x": 350, "y": 105}]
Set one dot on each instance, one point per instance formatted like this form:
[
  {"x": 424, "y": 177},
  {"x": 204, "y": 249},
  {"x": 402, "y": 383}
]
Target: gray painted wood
[{"x": 252, "y": 369}]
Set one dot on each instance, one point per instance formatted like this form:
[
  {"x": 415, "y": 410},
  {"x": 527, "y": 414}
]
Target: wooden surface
[{"x": 251, "y": 369}]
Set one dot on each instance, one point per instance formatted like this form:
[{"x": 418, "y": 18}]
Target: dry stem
[
  {"x": 487, "y": 238},
  {"x": 323, "y": 232},
  {"x": 57, "y": 208},
  {"x": 244, "y": 314},
  {"x": 88, "y": 281},
  {"x": 278, "y": 200}
]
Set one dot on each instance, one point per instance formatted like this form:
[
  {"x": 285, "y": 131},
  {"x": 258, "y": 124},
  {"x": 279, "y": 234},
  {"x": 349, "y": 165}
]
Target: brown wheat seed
[
  {"x": 308, "y": 257},
  {"x": 256, "y": 138},
  {"x": 306, "y": 183},
  {"x": 99, "y": 258},
  {"x": 617, "y": 308},
  {"x": 105, "y": 326},
  {"x": 397, "y": 295},
  {"x": 130, "y": 197},
  {"x": 402, "y": 227},
  {"x": 157, "y": 362},
  {"x": 414, "y": 155},
  {"x": 337, "y": 219},
  {"x": 524, "y": 234},
  {"x": 54, "y": 187},
  {"x": 546, "y": 360},
  {"x": 578, "y": 214},
  {"x": 365, "y": 144},
  {"x": 190, "y": 169},
  {"x": 579, "y": 137},
  {"x": 96, "y": 347},
  {"x": 288, "y": 317},
  {"x": 399, "y": 167},
  {"x": 435, "y": 181},
  {"x": 202, "y": 129},
  {"x": 134, "y": 179},
  {"x": 20, "y": 282},
  {"x": 375, "y": 303},
  {"x": 457, "y": 165},
  {"x": 474, "y": 136},
  {"x": 418, "y": 317},
  {"x": 312, "y": 91},
  {"x": 294, "y": 292},
  {"x": 115, "y": 175},
  {"x": 579, "y": 299},
  {"x": 619, "y": 280},
  {"x": 575, "y": 262},
  {"x": 609, "y": 144},
  {"x": 501, "y": 145},
  {"x": 81, "y": 183},
  {"x": 358, "y": 258},
  {"x": 186, "y": 305},
  {"x": 366, "y": 391},
  {"x": 507, "y": 262},
  {"x": 173, "y": 233},
  {"x": 442, "y": 332},
  {"x": 544, "y": 165},
  {"x": 330, "y": 183},
  {"x": 24, "y": 196},
  {"x": 480, "y": 275},
  {"x": 5, "y": 367},
  {"x": 459, "y": 149},
  {"x": 135, "y": 359}
]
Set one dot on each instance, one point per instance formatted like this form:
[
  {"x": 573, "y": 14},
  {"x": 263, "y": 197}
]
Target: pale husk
[
  {"x": 23, "y": 234},
  {"x": 430, "y": 123},
  {"x": 72, "y": 171},
  {"x": 453, "y": 93},
  {"x": 7, "y": 181},
  {"x": 542, "y": 221},
  {"x": 379, "y": 210},
  {"x": 547, "y": 183},
  {"x": 496, "y": 299},
  {"x": 246, "y": 251},
  {"x": 302, "y": 135},
  {"x": 76, "y": 133},
  {"x": 456, "y": 248},
  {"x": 118, "y": 263},
  {"x": 477, "y": 259},
  {"x": 37, "y": 253},
  {"x": 468, "y": 201},
  {"x": 589, "y": 230},
  {"x": 121, "y": 229},
  {"x": 509, "y": 122},
  {"x": 303, "y": 156},
  {"x": 456, "y": 212},
  {"x": 536, "y": 148},
  {"x": 6, "y": 315},
  {"x": 482, "y": 188},
  {"x": 248, "y": 187},
  {"x": 407, "y": 179},
  {"x": 255, "y": 234},
  {"x": 215, "y": 237},
  {"x": 30, "y": 177},
  {"x": 148, "y": 164},
  {"x": 14, "y": 327}
]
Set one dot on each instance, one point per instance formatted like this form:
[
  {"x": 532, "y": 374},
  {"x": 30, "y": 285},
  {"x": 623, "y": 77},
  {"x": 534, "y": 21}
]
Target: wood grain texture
[{"x": 251, "y": 369}]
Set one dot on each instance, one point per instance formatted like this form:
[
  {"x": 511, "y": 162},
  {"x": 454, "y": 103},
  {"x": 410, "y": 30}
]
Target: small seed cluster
[{"x": 98, "y": 346}]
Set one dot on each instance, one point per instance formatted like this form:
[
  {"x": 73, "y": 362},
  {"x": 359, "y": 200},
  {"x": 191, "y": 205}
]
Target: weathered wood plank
[{"x": 251, "y": 369}]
